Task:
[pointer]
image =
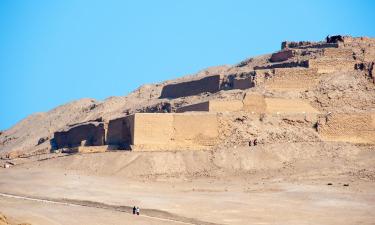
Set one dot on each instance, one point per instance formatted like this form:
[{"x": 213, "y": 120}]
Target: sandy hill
[{"x": 334, "y": 77}]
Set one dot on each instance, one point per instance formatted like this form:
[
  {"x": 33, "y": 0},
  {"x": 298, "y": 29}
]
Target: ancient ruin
[{"x": 297, "y": 67}]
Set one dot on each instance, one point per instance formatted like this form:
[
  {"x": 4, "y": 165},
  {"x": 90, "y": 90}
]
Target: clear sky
[{"x": 53, "y": 52}]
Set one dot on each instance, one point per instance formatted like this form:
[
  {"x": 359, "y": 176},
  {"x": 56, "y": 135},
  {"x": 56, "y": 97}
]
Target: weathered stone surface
[
  {"x": 92, "y": 133},
  {"x": 208, "y": 84}
]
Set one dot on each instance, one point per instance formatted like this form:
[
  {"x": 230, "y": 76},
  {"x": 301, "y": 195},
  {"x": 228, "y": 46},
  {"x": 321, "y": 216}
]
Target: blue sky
[{"x": 53, "y": 52}]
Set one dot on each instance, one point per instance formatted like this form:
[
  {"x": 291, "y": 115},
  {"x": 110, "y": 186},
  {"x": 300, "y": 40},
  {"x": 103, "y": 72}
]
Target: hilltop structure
[{"x": 298, "y": 67}]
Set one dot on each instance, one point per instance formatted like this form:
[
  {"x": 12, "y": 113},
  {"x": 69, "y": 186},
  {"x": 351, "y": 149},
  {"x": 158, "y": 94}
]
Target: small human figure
[
  {"x": 134, "y": 209},
  {"x": 138, "y": 211},
  {"x": 255, "y": 142}
]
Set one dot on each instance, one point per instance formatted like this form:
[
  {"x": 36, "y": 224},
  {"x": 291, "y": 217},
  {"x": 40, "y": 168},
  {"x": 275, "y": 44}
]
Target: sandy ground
[{"x": 281, "y": 196}]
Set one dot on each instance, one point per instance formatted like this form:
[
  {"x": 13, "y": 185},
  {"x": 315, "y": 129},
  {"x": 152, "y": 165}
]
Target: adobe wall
[
  {"x": 225, "y": 106},
  {"x": 203, "y": 106},
  {"x": 152, "y": 129},
  {"x": 208, "y": 84},
  {"x": 346, "y": 127},
  {"x": 213, "y": 106},
  {"x": 202, "y": 130},
  {"x": 119, "y": 132},
  {"x": 93, "y": 134},
  {"x": 260, "y": 104},
  {"x": 243, "y": 83},
  {"x": 92, "y": 149},
  {"x": 342, "y": 53},
  {"x": 254, "y": 103},
  {"x": 278, "y": 105},
  {"x": 282, "y": 56},
  {"x": 307, "y": 44},
  {"x": 173, "y": 131},
  {"x": 332, "y": 65},
  {"x": 291, "y": 79}
]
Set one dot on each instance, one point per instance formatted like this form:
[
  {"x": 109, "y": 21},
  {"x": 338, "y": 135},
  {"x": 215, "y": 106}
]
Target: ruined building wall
[
  {"x": 164, "y": 132},
  {"x": 341, "y": 53},
  {"x": 282, "y": 55},
  {"x": 93, "y": 134},
  {"x": 348, "y": 127},
  {"x": 119, "y": 132},
  {"x": 203, "y": 106},
  {"x": 254, "y": 103},
  {"x": 278, "y": 105},
  {"x": 208, "y": 84},
  {"x": 289, "y": 79},
  {"x": 332, "y": 65}
]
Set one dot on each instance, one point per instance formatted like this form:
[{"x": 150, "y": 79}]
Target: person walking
[
  {"x": 134, "y": 209},
  {"x": 138, "y": 211}
]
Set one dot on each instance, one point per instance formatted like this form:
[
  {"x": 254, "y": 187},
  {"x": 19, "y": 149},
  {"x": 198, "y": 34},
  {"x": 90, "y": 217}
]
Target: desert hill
[
  {"x": 332, "y": 76},
  {"x": 283, "y": 138}
]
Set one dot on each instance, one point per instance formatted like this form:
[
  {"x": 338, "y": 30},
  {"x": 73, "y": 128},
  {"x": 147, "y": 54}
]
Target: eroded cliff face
[{"x": 333, "y": 76}]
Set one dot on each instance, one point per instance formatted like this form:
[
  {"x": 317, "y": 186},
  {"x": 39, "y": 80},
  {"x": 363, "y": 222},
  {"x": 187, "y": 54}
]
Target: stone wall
[
  {"x": 210, "y": 84},
  {"x": 90, "y": 134},
  {"x": 348, "y": 127}
]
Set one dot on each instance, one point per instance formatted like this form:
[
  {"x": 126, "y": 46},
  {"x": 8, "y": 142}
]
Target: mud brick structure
[
  {"x": 119, "y": 132},
  {"x": 348, "y": 127},
  {"x": 173, "y": 131},
  {"x": 210, "y": 84},
  {"x": 282, "y": 55},
  {"x": 213, "y": 106},
  {"x": 338, "y": 53},
  {"x": 332, "y": 65},
  {"x": 89, "y": 134},
  {"x": 254, "y": 103},
  {"x": 289, "y": 78}
]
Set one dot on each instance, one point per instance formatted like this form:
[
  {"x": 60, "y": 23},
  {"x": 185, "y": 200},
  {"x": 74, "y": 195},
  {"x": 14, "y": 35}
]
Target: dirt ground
[{"x": 321, "y": 187}]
